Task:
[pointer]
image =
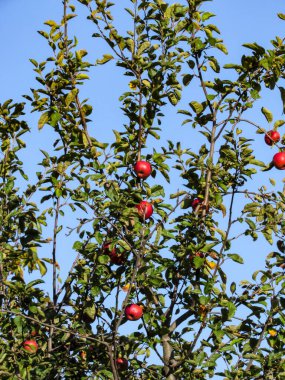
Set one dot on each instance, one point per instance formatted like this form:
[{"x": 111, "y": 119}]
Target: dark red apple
[
  {"x": 133, "y": 312},
  {"x": 122, "y": 364},
  {"x": 117, "y": 258},
  {"x": 142, "y": 169},
  {"x": 30, "y": 346},
  {"x": 272, "y": 137},
  {"x": 199, "y": 254},
  {"x": 195, "y": 203},
  {"x": 145, "y": 209},
  {"x": 279, "y": 160}
]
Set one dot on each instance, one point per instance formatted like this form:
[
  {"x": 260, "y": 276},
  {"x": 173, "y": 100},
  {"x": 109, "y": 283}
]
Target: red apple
[
  {"x": 142, "y": 169},
  {"x": 30, "y": 346},
  {"x": 272, "y": 137},
  {"x": 199, "y": 254},
  {"x": 145, "y": 209},
  {"x": 117, "y": 258},
  {"x": 122, "y": 364},
  {"x": 34, "y": 333},
  {"x": 133, "y": 312},
  {"x": 279, "y": 160},
  {"x": 195, "y": 203}
]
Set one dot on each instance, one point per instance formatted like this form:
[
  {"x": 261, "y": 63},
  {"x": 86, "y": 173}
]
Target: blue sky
[{"x": 239, "y": 21}]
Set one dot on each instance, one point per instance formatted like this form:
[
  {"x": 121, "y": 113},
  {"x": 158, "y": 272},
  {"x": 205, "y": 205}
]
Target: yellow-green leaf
[
  {"x": 196, "y": 106},
  {"x": 268, "y": 115},
  {"x": 106, "y": 58},
  {"x": 43, "y": 120}
]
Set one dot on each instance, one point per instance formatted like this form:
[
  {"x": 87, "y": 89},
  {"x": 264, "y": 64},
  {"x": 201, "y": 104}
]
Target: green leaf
[
  {"x": 54, "y": 118},
  {"x": 222, "y": 47},
  {"x": 106, "y": 373},
  {"x": 198, "y": 262},
  {"x": 281, "y": 16},
  {"x": 197, "y": 107},
  {"x": 42, "y": 267},
  {"x": 214, "y": 64},
  {"x": 124, "y": 245},
  {"x": 143, "y": 47},
  {"x": 70, "y": 16},
  {"x": 106, "y": 58},
  {"x": 231, "y": 66},
  {"x": 265, "y": 63},
  {"x": 80, "y": 53},
  {"x": 157, "y": 190},
  {"x": 278, "y": 123},
  {"x": 187, "y": 79},
  {"x": 257, "y": 163},
  {"x": 268, "y": 115},
  {"x": 50, "y": 23},
  {"x": 70, "y": 97},
  {"x": 43, "y": 120},
  {"x": 34, "y": 62},
  {"x": 103, "y": 259},
  {"x": 178, "y": 194},
  {"x": 207, "y": 15},
  {"x": 259, "y": 49},
  {"x": 77, "y": 245},
  {"x": 82, "y": 76},
  {"x": 233, "y": 287},
  {"x": 235, "y": 257},
  {"x": 146, "y": 83},
  {"x": 186, "y": 203},
  {"x": 90, "y": 313},
  {"x": 231, "y": 309},
  {"x": 19, "y": 323},
  {"x": 172, "y": 98}
]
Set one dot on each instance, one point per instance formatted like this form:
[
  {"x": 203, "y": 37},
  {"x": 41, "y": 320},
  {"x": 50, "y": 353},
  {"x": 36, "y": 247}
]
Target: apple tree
[{"x": 154, "y": 225}]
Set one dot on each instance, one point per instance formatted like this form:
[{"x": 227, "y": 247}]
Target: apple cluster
[
  {"x": 143, "y": 170},
  {"x": 133, "y": 312},
  {"x": 145, "y": 210},
  {"x": 272, "y": 137}
]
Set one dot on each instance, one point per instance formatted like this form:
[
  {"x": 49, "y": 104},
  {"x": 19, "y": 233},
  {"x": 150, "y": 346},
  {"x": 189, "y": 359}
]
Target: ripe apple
[
  {"x": 122, "y": 364},
  {"x": 30, "y": 346},
  {"x": 272, "y": 137},
  {"x": 142, "y": 169},
  {"x": 145, "y": 209},
  {"x": 133, "y": 312},
  {"x": 196, "y": 202},
  {"x": 117, "y": 258},
  {"x": 34, "y": 333},
  {"x": 198, "y": 254},
  {"x": 279, "y": 160}
]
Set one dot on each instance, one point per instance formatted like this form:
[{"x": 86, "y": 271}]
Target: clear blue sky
[{"x": 240, "y": 21}]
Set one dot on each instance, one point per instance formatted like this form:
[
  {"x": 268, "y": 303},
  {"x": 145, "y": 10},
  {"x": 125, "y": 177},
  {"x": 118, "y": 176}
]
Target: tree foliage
[{"x": 196, "y": 323}]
